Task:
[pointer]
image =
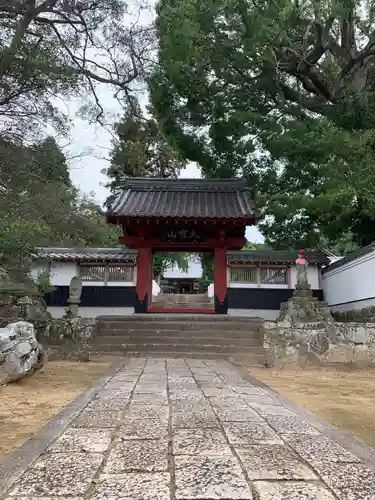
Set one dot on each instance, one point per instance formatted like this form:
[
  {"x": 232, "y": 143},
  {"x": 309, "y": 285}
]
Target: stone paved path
[{"x": 187, "y": 430}]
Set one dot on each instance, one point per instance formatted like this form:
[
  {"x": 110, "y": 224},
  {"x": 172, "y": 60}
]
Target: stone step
[
  {"x": 250, "y": 360},
  {"x": 180, "y": 348},
  {"x": 180, "y": 332},
  {"x": 168, "y": 340},
  {"x": 173, "y": 317},
  {"x": 181, "y": 325}
]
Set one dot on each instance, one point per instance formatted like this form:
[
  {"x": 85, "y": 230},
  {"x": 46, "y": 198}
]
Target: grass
[
  {"x": 27, "y": 405},
  {"x": 341, "y": 395}
]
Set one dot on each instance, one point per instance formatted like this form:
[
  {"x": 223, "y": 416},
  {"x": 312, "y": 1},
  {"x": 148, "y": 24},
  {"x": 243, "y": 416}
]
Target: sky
[{"x": 90, "y": 145}]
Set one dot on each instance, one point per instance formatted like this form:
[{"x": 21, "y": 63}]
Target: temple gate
[{"x": 194, "y": 215}]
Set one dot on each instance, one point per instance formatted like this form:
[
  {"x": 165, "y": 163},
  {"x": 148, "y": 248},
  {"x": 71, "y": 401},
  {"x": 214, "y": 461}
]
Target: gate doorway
[{"x": 182, "y": 282}]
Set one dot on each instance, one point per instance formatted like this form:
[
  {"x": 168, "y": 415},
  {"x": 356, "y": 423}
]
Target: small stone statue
[
  {"x": 302, "y": 264},
  {"x": 74, "y": 300},
  {"x": 20, "y": 352}
]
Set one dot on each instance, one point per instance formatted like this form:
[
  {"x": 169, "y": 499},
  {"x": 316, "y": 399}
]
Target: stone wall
[
  {"x": 365, "y": 315},
  {"x": 69, "y": 338},
  {"x": 320, "y": 344}
]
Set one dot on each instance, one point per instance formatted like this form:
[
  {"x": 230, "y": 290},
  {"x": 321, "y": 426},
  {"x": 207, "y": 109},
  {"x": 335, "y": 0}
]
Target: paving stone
[
  {"x": 44, "y": 498},
  {"x": 107, "y": 404},
  {"x": 208, "y": 380},
  {"x": 181, "y": 375},
  {"x": 210, "y": 478},
  {"x": 243, "y": 434},
  {"x": 59, "y": 474},
  {"x": 178, "y": 387},
  {"x": 193, "y": 419},
  {"x": 195, "y": 405},
  {"x": 97, "y": 419},
  {"x": 82, "y": 440},
  {"x": 248, "y": 390},
  {"x": 285, "y": 424},
  {"x": 181, "y": 381},
  {"x": 150, "y": 389},
  {"x": 292, "y": 491},
  {"x": 228, "y": 402},
  {"x": 230, "y": 379},
  {"x": 349, "y": 481},
  {"x": 142, "y": 428},
  {"x": 151, "y": 399},
  {"x": 237, "y": 414},
  {"x": 115, "y": 385},
  {"x": 266, "y": 410},
  {"x": 143, "y": 456},
  {"x": 147, "y": 411},
  {"x": 185, "y": 396},
  {"x": 199, "y": 442},
  {"x": 113, "y": 394},
  {"x": 319, "y": 449},
  {"x": 211, "y": 392},
  {"x": 263, "y": 399},
  {"x": 133, "y": 486},
  {"x": 274, "y": 462}
]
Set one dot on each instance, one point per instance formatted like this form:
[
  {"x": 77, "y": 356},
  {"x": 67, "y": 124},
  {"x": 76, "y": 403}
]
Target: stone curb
[
  {"x": 361, "y": 451},
  {"x": 21, "y": 459}
]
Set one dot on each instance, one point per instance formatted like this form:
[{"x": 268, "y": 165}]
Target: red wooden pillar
[
  {"x": 144, "y": 280},
  {"x": 220, "y": 280}
]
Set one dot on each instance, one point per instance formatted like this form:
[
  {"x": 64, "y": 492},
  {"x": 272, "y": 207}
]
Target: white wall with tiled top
[
  {"x": 61, "y": 274},
  {"x": 313, "y": 273},
  {"x": 352, "y": 285}
]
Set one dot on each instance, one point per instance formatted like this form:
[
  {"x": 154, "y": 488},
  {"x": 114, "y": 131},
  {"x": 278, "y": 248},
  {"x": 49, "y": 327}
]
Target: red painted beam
[{"x": 155, "y": 244}]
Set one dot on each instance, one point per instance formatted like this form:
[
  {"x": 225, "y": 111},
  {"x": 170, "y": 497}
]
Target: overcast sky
[{"x": 91, "y": 146}]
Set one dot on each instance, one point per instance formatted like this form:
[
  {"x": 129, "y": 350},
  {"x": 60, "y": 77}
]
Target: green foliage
[
  {"x": 141, "y": 150},
  {"x": 162, "y": 261},
  {"x": 43, "y": 281},
  {"x": 45, "y": 52},
  {"x": 283, "y": 95},
  {"x": 207, "y": 262},
  {"x": 255, "y": 246},
  {"x": 40, "y": 207}
]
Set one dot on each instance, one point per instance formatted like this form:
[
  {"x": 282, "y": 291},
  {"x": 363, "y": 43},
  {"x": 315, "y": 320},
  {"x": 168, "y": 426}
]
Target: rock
[{"x": 20, "y": 352}]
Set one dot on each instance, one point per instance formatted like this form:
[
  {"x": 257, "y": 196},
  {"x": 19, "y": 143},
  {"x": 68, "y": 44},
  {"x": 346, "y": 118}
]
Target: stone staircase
[
  {"x": 182, "y": 301},
  {"x": 180, "y": 335}
]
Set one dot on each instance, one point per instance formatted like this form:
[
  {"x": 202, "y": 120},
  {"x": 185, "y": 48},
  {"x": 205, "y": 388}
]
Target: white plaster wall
[
  {"x": 351, "y": 286},
  {"x": 267, "y": 314},
  {"x": 313, "y": 273},
  {"x": 63, "y": 272},
  {"x": 93, "y": 312}
]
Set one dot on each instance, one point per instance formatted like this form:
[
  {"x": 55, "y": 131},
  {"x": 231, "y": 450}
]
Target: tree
[
  {"x": 249, "y": 245},
  {"x": 40, "y": 206},
  {"x": 52, "y": 49},
  {"x": 281, "y": 93},
  {"x": 163, "y": 261},
  {"x": 141, "y": 150}
]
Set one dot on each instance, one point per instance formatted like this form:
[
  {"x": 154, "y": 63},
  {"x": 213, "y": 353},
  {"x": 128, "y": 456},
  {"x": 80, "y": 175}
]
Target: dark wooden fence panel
[
  {"x": 261, "y": 298},
  {"x": 95, "y": 296}
]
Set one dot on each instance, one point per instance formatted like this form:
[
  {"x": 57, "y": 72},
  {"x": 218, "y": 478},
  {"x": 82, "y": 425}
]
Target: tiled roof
[
  {"x": 274, "y": 257},
  {"x": 183, "y": 198},
  {"x": 88, "y": 254}
]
